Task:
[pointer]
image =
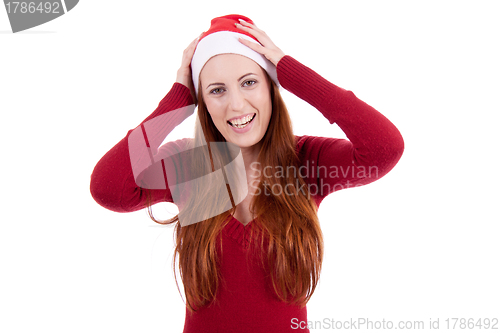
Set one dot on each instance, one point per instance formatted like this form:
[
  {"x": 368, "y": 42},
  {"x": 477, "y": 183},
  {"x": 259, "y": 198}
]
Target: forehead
[{"x": 228, "y": 66}]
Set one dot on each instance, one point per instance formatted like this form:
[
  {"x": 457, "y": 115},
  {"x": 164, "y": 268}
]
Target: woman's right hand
[{"x": 184, "y": 72}]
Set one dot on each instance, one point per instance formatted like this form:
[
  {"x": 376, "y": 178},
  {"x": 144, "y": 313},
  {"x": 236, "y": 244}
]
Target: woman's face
[{"x": 236, "y": 91}]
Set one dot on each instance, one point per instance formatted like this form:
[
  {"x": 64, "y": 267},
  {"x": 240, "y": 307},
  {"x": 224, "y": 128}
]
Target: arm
[
  {"x": 123, "y": 177},
  {"x": 374, "y": 146},
  {"x": 113, "y": 184}
]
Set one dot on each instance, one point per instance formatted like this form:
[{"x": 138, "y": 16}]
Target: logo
[
  {"x": 204, "y": 179},
  {"x": 28, "y": 14}
]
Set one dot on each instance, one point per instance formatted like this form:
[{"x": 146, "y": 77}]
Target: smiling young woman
[
  {"x": 236, "y": 92},
  {"x": 248, "y": 243}
]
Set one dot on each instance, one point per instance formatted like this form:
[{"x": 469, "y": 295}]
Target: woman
[{"x": 249, "y": 243}]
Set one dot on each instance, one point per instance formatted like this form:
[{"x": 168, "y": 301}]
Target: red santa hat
[{"x": 222, "y": 38}]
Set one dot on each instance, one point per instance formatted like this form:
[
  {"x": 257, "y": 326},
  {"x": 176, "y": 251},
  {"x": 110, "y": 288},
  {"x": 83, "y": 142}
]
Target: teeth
[{"x": 241, "y": 122}]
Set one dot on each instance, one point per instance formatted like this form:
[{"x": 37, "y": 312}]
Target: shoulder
[
  {"x": 308, "y": 144},
  {"x": 175, "y": 147}
]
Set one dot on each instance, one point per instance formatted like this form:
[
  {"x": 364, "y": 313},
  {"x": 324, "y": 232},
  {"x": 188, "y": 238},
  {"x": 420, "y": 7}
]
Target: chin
[{"x": 244, "y": 142}]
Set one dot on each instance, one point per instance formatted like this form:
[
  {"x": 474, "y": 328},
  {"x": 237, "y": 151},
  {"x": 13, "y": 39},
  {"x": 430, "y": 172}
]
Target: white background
[{"x": 421, "y": 243}]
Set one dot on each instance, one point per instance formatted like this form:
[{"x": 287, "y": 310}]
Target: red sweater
[{"x": 246, "y": 302}]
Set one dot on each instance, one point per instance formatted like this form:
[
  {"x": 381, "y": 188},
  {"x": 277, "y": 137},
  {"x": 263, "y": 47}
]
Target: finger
[
  {"x": 254, "y": 46},
  {"x": 195, "y": 41},
  {"x": 251, "y": 32},
  {"x": 189, "y": 51},
  {"x": 249, "y": 29},
  {"x": 250, "y": 25},
  {"x": 259, "y": 35}
]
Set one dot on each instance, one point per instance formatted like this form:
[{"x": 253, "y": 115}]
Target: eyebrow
[{"x": 221, "y": 84}]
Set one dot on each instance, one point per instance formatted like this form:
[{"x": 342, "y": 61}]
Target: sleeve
[
  {"x": 374, "y": 144},
  {"x": 114, "y": 180}
]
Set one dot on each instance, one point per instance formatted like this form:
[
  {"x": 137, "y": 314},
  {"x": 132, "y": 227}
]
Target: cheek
[
  {"x": 268, "y": 118},
  {"x": 215, "y": 111},
  {"x": 217, "y": 118},
  {"x": 267, "y": 105}
]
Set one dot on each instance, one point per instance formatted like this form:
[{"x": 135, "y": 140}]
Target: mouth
[{"x": 242, "y": 122}]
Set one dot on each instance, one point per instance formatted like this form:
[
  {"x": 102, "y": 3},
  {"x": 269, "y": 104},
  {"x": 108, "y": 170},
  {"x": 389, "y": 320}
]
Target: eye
[
  {"x": 217, "y": 91},
  {"x": 249, "y": 83}
]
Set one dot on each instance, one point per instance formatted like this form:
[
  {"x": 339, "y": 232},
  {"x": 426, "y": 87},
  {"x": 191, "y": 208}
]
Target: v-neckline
[
  {"x": 244, "y": 225},
  {"x": 239, "y": 231}
]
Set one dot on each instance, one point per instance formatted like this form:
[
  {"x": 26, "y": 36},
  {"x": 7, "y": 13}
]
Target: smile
[{"x": 242, "y": 122}]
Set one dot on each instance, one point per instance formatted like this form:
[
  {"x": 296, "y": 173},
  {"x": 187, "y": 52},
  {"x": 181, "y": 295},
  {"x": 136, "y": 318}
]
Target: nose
[{"x": 236, "y": 100}]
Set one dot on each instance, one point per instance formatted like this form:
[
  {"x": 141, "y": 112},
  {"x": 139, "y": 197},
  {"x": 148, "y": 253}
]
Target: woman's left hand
[{"x": 267, "y": 49}]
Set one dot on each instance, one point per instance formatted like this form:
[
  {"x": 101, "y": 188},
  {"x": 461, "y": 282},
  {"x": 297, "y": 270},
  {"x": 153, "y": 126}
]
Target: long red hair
[{"x": 286, "y": 227}]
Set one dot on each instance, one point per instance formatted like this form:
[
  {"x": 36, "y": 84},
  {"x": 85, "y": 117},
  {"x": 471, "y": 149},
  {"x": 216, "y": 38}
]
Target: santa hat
[{"x": 222, "y": 38}]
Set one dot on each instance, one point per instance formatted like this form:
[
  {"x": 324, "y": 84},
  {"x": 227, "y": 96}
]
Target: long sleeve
[
  {"x": 114, "y": 179},
  {"x": 374, "y": 144}
]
